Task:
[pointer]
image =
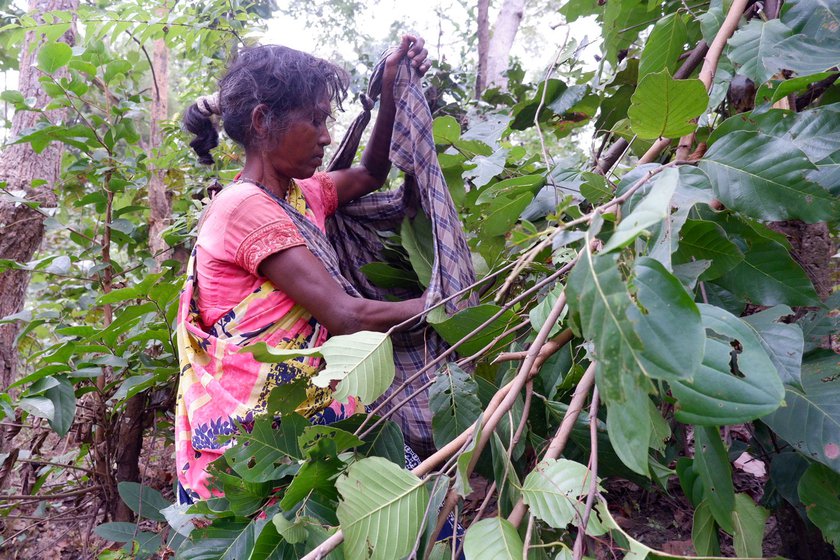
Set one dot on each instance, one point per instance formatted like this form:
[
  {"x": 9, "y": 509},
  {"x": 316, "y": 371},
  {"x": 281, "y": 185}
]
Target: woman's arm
[
  {"x": 358, "y": 181},
  {"x": 298, "y": 273}
]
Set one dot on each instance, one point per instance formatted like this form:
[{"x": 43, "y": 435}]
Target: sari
[{"x": 219, "y": 387}]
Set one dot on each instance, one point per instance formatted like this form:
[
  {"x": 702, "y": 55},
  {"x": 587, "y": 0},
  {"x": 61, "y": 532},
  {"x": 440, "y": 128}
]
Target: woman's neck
[{"x": 256, "y": 171}]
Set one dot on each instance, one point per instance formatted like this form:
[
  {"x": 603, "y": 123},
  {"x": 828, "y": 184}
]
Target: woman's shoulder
[{"x": 320, "y": 191}]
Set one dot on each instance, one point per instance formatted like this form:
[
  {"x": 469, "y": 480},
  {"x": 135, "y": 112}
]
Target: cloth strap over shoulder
[{"x": 354, "y": 235}]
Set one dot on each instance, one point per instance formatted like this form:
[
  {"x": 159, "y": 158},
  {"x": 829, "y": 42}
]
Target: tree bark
[
  {"x": 22, "y": 228},
  {"x": 504, "y": 32},
  {"x": 483, "y": 46},
  {"x": 160, "y": 203}
]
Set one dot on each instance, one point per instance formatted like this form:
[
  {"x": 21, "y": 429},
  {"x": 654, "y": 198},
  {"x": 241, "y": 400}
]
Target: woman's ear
[{"x": 259, "y": 118}]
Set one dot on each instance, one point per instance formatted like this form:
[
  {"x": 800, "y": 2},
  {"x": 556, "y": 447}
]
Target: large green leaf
[
  {"x": 712, "y": 464},
  {"x": 418, "y": 242},
  {"x": 456, "y": 328},
  {"x": 143, "y": 500},
  {"x": 810, "y": 421},
  {"x": 818, "y": 492},
  {"x": 599, "y": 300},
  {"x": 704, "y": 532},
  {"x": 493, "y": 538},
  {"x": 256, "y": 455},
  {"x": 270, "y": 544},
  {"x": 754, "y": 45},
  {"x": 668, "y": 309},
  {"x": 225, "y": 539},
  {"x": 556, "y": 491},
  {"x": 315, "y": 475},
  {"x": 63, "y": 397},
  {"x": 453, "y": 400},
  {"x": 53, "y": 56},
  {"x": 385, "y": 440},
  {"x": 768, "y": 275},
  {"x": 731, "y": 386},
  {"x": 386, "y": 276},
  {"x": 380, "y": 510},
  {"x": 663, "y": 106},
  {"x": 822, "y": 55},
  {"x": 664, "y": 45},
  {"x": 764, "y": 177},
  {"x": 748, "y": 521},
  {"x": 362, "y": 361},
  {"x": 704, "y": 240},
  {"x": 818, "y": 19},
  {"x": 782, "y": 341},
  {"x": 652, "y": 209}
]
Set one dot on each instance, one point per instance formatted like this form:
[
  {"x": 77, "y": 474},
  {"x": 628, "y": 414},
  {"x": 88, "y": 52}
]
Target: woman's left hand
[{"x": 411, "y": 47}]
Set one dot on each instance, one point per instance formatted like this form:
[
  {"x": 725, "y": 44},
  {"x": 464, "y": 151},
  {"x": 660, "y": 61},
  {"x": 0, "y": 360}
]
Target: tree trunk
[
  {"x": 132, "y": 419},
  {"x": 504, "y": 32},
  {"x": 22, "y": 228},
  {"x": 160, "y": 203},
  {"x": 483, "y": 46}
]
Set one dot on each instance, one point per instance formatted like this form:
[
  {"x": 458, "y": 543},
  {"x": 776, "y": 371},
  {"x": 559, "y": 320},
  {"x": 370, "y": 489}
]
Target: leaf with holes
[
  {"x": 810, "y": 421},
  {"x": 556, "y": 492},
  {"x": 737, "y": 382}
]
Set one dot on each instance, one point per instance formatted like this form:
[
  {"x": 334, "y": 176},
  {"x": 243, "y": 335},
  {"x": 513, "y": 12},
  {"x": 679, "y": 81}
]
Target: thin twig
[
  {"x": 593, "y": 475},
  {"x": 561, "y": 437}
]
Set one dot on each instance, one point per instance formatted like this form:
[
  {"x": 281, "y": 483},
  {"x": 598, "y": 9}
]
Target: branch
[
  {"x": 707, "y": 73},
  {"x": 561, "y": 438},
  {"x": 47, "y": 497},
  {"x": 814, "y": 91},
  {"x": 617, "y": 150},
  {"x": 593, "y": 474}
]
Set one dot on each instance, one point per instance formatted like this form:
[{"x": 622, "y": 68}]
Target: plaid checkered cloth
[{"x": 353, "y": 239}]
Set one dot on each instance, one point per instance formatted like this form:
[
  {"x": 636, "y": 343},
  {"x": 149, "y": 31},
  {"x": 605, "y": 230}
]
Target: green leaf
[
  {"x": 453, "y": 400},
  {"x": 117, "y": 531},
  {"x": 730, "y": 387},
  {"x": 63, "y": 397},
  {"x": 768, "y": 275},
  {"x": 822, "y": 55},
  {"x": 652, "y": 209},
  {"x": 143, "y": 500},
  {"x": 629, "y": 428},
  {"x": 418, "y": 241},
  {"x": 255, "y": 455},
  {"x": 313, "y": 476},
  {"x": 712, "y": 464},
  {"x": 386, "y": 440},
  {"x": 362, "y": 361},
  {"x": 326, "y": 441},
  {"x": 39, "y": 406},
  {"x": 225, "y": 539},
  {"x": 818, "y": 492},
  {"x": 664, "y": 45},
  {"x": 664, "y": 107},
  {"x": 493, "y": 538},
  {"x": 782, "y": 341},
  {"x": 764, "y": 177},
  {"x": 810, "y": 421},
  {"x": 53, "y": 56},
  {"x": 387, "y": 276},
  {"x": 598, "y": 297},
  {"x": 268, "y": 355},
  {"x": 704, "y": 535},
  {"x": 540, "y": 312},
  {"x": 504, "y": 213},
  {"x": 292, "y": 532},
  {"x": 380, "y": 510},
  {"x": 705, "y": 240},
  {"x": 446, "y": 130},
  {"x": 748, "y": 519},
  {"x": 753, "y": 47},
  {"x": 270, "y": 544},
  {"x": 556, "y": 491},
  {"x": 455, "y": 328},
  {"x": 668, "y": 309}
]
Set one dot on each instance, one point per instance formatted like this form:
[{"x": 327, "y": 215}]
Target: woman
[{"x": 251, "y": 277}]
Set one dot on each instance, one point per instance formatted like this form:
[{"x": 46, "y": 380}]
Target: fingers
[{"x": 418, "y": 55}]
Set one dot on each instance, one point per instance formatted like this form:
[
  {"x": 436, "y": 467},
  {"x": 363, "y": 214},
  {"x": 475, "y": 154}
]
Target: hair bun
[{"x": 208, "y": 105}]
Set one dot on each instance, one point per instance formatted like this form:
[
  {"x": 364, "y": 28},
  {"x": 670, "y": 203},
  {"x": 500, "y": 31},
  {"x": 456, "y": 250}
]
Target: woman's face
[{"x": 299, "y": 151}]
